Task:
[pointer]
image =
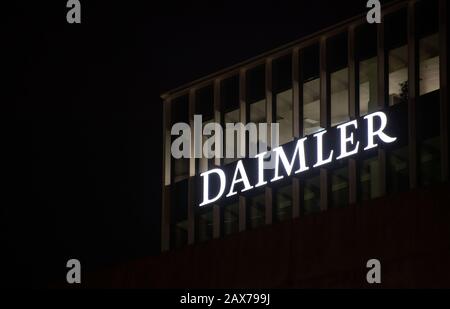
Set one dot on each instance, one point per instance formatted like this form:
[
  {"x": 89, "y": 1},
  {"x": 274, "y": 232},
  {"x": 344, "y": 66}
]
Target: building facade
[{"x": 343, "y": 73}]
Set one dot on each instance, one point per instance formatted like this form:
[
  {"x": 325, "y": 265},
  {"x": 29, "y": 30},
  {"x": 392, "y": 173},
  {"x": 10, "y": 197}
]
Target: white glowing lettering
[
  {"x": 241, "y": 170},
  {"x": 348, "y": 143},
  {"x": 288, "y": 166},
  {"x": 320, "y": 160},
  {"x": 347, "y": 139},
  {"x": 371, "y": 133},
  {"x": 205, "y": 176}
]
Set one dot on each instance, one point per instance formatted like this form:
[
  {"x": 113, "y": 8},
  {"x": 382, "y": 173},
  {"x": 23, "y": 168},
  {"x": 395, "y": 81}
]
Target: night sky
[{"x": 87, "y": 130}]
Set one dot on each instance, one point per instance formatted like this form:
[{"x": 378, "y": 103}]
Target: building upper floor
[{"x": 342, "y": 73}]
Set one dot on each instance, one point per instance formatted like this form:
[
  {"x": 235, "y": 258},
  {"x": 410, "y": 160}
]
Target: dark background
[{"x": 87, "y": 112}]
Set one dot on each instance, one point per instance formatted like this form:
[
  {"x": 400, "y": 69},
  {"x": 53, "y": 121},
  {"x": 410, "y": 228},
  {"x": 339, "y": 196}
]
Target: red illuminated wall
[{"x": 409, "y": 233}]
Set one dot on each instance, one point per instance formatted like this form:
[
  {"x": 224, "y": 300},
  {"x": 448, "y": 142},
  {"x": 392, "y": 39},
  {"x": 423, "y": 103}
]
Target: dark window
[
  {"x": 430, "y": 164},
  {"x": 256, "y": 211},
  {"x": 398, "y": 170},
  {"x": 205, "y": 224},
  {"x": 429, "y": 110},
  {"x": 204, "y": 105},
  {"x": 178, "y": 215},
  {"x": 369, "y": 179},
  {"x": 180, "y": 113},
  {"x": 283, "y": 204},
  {"x": 230, "y": 219},
  {"x": 229, "y": 92},
  {"x": 339, "y": 187},
  {"x": 230, "y": 108},
  {"x": 311, "y": 194}
]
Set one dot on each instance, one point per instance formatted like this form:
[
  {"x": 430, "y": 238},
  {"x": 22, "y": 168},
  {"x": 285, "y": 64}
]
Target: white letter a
[
  {"x": 74, "y": 14},
  {"x": 374, "y": 15},
  {"x": 374, "y": 274},
  {"x": 74, "y": 274}
]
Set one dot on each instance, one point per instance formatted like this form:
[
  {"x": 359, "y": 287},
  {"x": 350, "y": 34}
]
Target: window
[
  {"x": 256, "y": 98},
  {"x": 180, "y": 113},
  {"x": 428, "y": 32},
  {"x": 204, "y": 105},
  {"x": 282, "y": 90},
  {"x": 283, "y": 204},
  {"x": 204, "y": 164},
  {"x": 337, "y": 54},
  {"x": 430, "y": 164},
  {"x": 398, "y": 170},
  {"x": 397, "y": 49},
  {"x": 310, "y": 75},
  {"x": 230, "y": 107},
  {"x": 429, "y": 109},
  {"x": 311, "y": 195},
  {"x": 429, "y": 64},
  {"x": 339, "y": 187},
  {"x": 178, "y": 217},
  {"x": 370, "y": 180},
  {"x": 256, "y": 211},
  {"x": 230, "y": 219},
  {"x": 233, "y": 118},
  {"x": 366, "y": 45},
  {"x": 205, "y": 224}
]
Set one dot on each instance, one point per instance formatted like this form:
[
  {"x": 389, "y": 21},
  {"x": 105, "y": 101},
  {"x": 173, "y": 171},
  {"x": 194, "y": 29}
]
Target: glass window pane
[
  {"x": 368, "y": 86},
  {"x": 203, "y": 164},
  {"x": 205, "y": 224},
  {"x": 284, "y": 116},
  {"x": 366, "y": 45},
  {"x": 204, "y": 103},
  {"x": 430, "y": 161},
  {"x": 231, "y": 117},
  {"x": 256, "y": 211},
  {"x": 429, "y": 107},
  {"x": 429, "y": 64},
  {"x": 230, "y": 108},
  {"x": 180, "y": 169},
  {"x": 369, "y": 179},
  {"x": 231, "y": 219},
  {"x": 339, "y": 97},
  {"x": 180, "y": 113},
  {"x": 337, "y": 48},
  {"x": 178, "y": 218},
  {"x": 283, "y": 204},
  {"x": 256, "y": 98},
  {"x": 428, "y": 33},
  {"x": 396, "y": 44},
  {"x": 398, "y": 75},
  {"x": 310, "y": 74},
  {"x": 339, "y": 187},
  {"x": 398, "y": 170},
  {"x": 180, "y": 234},
  {"x": 311, "y": 195},
  {"x": 282, "y": 89},
  {"x": 229, "y": 93}
]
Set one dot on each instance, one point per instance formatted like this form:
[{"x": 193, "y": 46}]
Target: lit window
[
  {"x": 310, "y": 71},
  {"x": 337, "y": 55},
  {"x": 368, "y": 68}
]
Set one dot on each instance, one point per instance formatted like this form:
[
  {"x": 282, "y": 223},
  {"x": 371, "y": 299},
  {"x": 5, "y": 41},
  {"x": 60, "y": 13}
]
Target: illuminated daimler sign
[{"x": 348, "y": 145}]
